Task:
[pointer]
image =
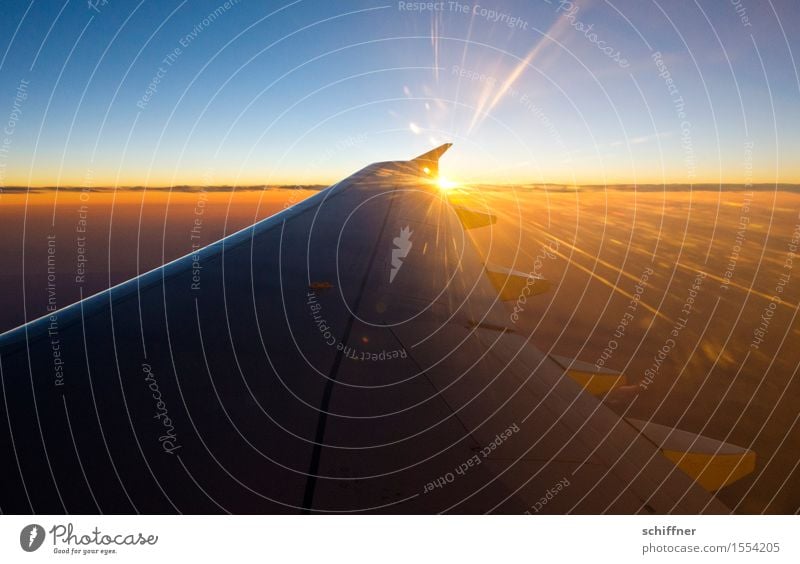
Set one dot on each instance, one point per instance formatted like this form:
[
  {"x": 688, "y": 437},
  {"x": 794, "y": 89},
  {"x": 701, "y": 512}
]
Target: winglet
[{"x": 429, "y": 162}]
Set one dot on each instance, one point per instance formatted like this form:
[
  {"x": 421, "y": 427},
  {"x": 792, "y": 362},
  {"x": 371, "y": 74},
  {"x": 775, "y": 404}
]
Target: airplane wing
[{"x": 351, "y": 354}]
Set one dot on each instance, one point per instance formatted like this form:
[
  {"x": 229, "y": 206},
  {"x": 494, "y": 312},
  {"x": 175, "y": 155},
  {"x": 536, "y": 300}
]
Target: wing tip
[
  {"x": 429, "y": 162},
  {"x": 434, "y": 154}
]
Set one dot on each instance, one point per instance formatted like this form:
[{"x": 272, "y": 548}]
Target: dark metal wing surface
[{"x": 347, "y": 355}]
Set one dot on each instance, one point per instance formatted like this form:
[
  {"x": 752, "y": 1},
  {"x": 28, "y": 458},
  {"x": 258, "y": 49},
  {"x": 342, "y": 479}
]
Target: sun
[{"x": 445, "y": 184}]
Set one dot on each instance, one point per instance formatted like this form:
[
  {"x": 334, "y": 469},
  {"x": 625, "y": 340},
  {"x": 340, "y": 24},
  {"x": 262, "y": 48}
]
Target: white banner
[{"x": 401, "y": 539}]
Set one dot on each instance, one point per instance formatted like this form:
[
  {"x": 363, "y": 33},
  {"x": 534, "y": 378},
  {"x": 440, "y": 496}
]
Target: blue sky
[{"x": 309, "y": 91}]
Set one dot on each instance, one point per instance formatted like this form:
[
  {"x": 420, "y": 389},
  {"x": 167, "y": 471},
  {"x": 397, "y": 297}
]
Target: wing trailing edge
[{"x": 712, "y": 463}]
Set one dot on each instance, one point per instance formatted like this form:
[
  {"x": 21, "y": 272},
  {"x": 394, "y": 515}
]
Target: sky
[{"x": 166, "y": 93}]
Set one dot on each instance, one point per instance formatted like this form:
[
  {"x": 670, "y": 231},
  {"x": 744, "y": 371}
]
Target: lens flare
[{"x": 445, "y": 183}]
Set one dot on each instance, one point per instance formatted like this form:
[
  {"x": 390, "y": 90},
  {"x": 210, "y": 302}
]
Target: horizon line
[{"x": 632, "y": 186}]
